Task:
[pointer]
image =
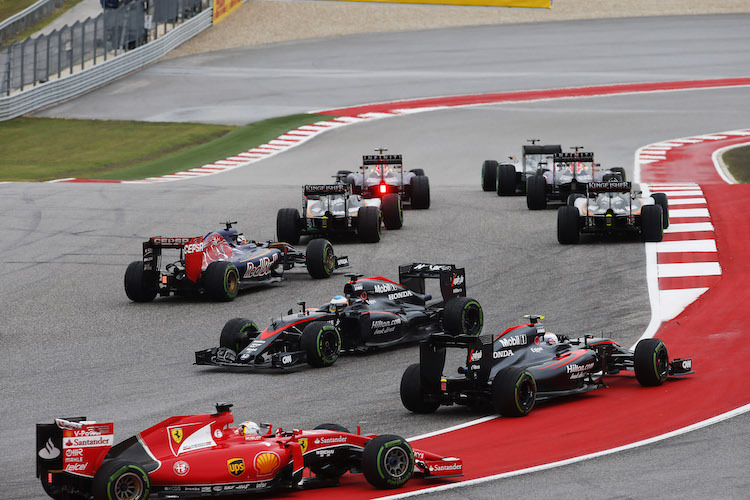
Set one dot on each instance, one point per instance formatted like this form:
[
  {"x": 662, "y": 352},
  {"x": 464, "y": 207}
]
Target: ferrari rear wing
[
  {"x": 382, "y": 160},
  {"x": 452, "y": 279}
]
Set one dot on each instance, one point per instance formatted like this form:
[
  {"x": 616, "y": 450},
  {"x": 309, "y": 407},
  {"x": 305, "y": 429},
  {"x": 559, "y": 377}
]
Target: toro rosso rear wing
[
  {"x": 152, "y": 250},
  {"x": 452, "y": 279},
  {"x": 382, "y": 160}
]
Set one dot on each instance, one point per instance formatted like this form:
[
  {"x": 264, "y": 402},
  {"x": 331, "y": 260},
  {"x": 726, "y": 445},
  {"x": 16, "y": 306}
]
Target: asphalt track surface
[{"x": 74, "y": 345}]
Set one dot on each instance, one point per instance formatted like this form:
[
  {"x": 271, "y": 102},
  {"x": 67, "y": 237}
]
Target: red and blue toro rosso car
[
  {"x": 204, "y": 455},
  {"x": 525, "y": 364},
  {"x": 220, "y": 264}
]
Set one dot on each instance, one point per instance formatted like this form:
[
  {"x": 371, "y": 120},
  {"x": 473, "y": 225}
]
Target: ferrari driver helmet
[
  {"x": 249, "y": 427},
  {"x": 338, "y": 303},
  {"x": 550, "y": 338}
]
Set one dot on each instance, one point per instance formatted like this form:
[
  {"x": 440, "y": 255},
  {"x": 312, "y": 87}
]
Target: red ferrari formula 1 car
[{"x": 204, "y": 455}]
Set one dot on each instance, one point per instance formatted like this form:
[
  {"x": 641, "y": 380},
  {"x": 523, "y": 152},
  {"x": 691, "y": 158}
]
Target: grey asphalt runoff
[{"x": 74, "y": 345}]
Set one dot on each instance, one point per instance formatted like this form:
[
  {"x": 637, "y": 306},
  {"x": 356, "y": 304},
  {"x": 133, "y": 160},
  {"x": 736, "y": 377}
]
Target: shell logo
[{"x": 266, "y": 462}]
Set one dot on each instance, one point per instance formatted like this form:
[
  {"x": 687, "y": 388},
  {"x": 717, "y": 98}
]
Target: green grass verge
[
  {"x": 39, "y": 149},
  {"x": 10, "y": 7},
  {"x": 737, "y": 161}
]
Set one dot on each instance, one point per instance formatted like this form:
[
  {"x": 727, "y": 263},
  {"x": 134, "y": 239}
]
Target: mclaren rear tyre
[
  {"x": 138, "y": 286},
  {"x": 368, "y": 224},
  {"x": 329, "y": 469},
  {"x": 662, "y": 200},
  {"x": 652, "y": 229},
  {"x": 489, "y": 175},
  {"x": 514, "y": 392},
  {"x": 393, "y": 213},
  {"x": 420, "y": 192},
  {"x": 319, "y": 258},
  {"x": 567, "y": 225},
  {"x": 463, "y": 316},
  {"x": 288, "y": 225},
  {"x": 651, "y": 362},
  {"x": 536, "y": 192},
  {"x": 321, "y": 342},
  {"x": 119, "y": 480},
  {"x": 221, "y": 281},
  {"x": 506, "y": 180},
  {"x": 412, "y": 393},
  {"x": 237, "y": 333},
  {"x": 387, "y": 462}
]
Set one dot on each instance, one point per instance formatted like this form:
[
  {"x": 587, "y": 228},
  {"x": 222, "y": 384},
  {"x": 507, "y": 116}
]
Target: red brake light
[{"x": 382, "y": 188}]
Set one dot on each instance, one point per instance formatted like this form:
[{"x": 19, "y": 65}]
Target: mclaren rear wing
[{"x": 452, "y": 279}]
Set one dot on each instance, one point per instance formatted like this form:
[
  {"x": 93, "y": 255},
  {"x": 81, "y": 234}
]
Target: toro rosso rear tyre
[
  {"x": 620, "y": 172},
  {"x": 536, "y": 192},
  {"x": 489, "y": 175},
  {"x": 321, "y": 342},
  {"x": 412, "y": 395},
  {"x": 463, "y": 316},
  {"x": 288, "y": 225},
  {"x": 652, "y": 229},
  {"x": 387, "y": 461},
  {"x": 221, "y": 280},
  {"x": 420, "y": 192},
  {"x": 651, "y": 362},
  {"x": 567, "y": 225},
  {"x": 393, "y": 213},
  {"x": 419, "y": 172},
  {"x": 319, "y": 258},
  {"x": 138, "y": 287},
  {"x": 327, "y": 468},
  {"x": 506, "y": 180},
  {"x": 237, "y": 333},
  {"x": 368, "y": 224},
  {"x": 514, "y": 392},
  {"x": 119, "y": 480},
  {"x": 661, "y": 200}
]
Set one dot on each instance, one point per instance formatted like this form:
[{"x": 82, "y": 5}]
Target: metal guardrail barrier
[{"x": 20, "y": 22}]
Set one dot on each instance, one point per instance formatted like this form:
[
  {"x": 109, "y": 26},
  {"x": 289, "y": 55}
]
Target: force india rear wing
[
  {"x": 382, "y": 160},
  {"x": 542, "y": 150},
  {"x": 326, "y": 189},
  {"x": 611, "y": 186},
  {"x": 452, "y": 279}
]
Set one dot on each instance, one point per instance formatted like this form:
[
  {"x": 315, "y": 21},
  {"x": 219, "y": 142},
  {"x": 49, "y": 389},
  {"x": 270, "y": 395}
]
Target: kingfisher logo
[{"x": 236, "y": 466}]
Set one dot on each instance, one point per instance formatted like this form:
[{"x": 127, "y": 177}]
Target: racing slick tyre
[
  {"x": 393, "y": 213},
  {"x": 387, "y": 461},
  {"x": 536, "y": 192},
  {"x": 288, "y": 224},
  {"x": 489, "y": 175},
  {"x": 652, "y": 229},
  {"x": 342, "y": 175},
  {"x": 412, "y": 395},
  {"x": 572, "y": 197},
  {"x": 420, "y": 192},
  {"x": 651, "y": 362},
  {"x": 321, "y": 342},
  {"x": 237, "y": 333},
  {"x": 419, "y": 172},
  {"x": 661, "y": 200},
  {"x": 327, "y": 468},
  {"x": 463, "y": 316},
  {"x": 221, "y": 280},
  {"x": 506, "y": 180},
  {"x": 138, "y": 287},
  {"x": 567, "y": 225},
  {"x": 368, "y": 224},
  {"x": 610, "y": 178},
  {"x": 514, "y": 392},
  {"x": 119, "y": 480},
  {"x": 620, "y": 172},
  {"x": 319, "y": 258}
]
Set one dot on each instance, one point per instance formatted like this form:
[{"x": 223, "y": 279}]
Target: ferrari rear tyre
[
  {"x": 489, "y": 175},
  {"x": 138, "y": 287},
  {"x": 288, "y": 225},
  {"x": 652, "y": 229},
  {"x": 420, "y": 192},
  {"x": 387, "y": 462},
  {"x": 620, "y": 172},
  {"x": 661, "y": 200},
  {"x": 567, "y": 225},
  {"x": 412, "y": 395},
  {"x": 393, "y": 213},
  {"x": 506, "y": 180},
  {"x": 321, "y": 342},
  {"x": 419, "y": 172},
  {"x": 121, "y": 480},
  {"x": 536, "y": 192},
  {"x": 221, "y": 281},
  {"x": 368, "y": 224},
  {"x": 319, "y": 258},
  {"x": 327, "y": 468},
  {"x": 514, "y": 392},
  {"x": 572, "y": 197},
  {"x": 237, "y": 333},
  {"x": 651, "y": 362},
  {"x": 463, "y": 316}
]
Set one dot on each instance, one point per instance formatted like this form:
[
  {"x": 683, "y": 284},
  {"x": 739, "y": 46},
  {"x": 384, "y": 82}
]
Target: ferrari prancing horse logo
[
  {"x": 303, "y": 444},
  {"x": 176, "y": 435}
]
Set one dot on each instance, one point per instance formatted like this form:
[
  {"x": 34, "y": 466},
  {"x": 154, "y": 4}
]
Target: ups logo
[{"x": 236, "y": 466}]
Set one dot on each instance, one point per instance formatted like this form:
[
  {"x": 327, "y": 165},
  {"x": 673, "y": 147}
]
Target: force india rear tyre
[
  {"x": 506, "y": 180},
  {"x": 221, "y": 281},
  {"x": 368, "y": 224},
  {"x": 536, "y": 192},
  {"x": 288, "y": 224},
  {"x": 330, "y": 469},
  {"x": 567, "y": 225},
  {"x": 121, "y": 480},
  {"x": 661, "y": 200},
  {"x": 412, "y": 395},
  {"x": 651, "y": 362},
  {"x": 417, "y": 171},
  {"x": 489, "y": 175},
  {"x": 652, "y": 229},
  {"x": 321, "y": 342},
  {"x": 387, "y": 461},
  {"x": 138, "y": 287},
  {"x": 393, "y": 213},
  {"x": 237, "y": 333},
  {"x": 420, "y": 192},
  {"x": 514, "y": 392},
  {"x": 572, "y": 197},
  {"x": 319, "y": 258},
  {"x": 463, "y": 316}
]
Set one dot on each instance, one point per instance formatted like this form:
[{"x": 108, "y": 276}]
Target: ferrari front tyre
[
  {"x": 368, "y": 224},
  {"x": 138, "y": 286},
  {"x": 288, "y": 225},
  {"x": 463, "y": 316},
  {"x": 651, "y": 362},
  {"x": 489, "y": 175},
  {"x": 420, "y": 192},
  {"x": 652, "y": 229},
  {"x": 237, "y": 333},
  {"x": 319, "y": 258},
  {"x": 387, "y": 461},
  {"x": 321, "y": 342},
  {"x": 327, "y": 468},
  {"x": 620, "y": 172},
  {"x": 221, "y": 280},
  {"x": 121, "y": 480},
  {"x": 393, "y": 213},
  {"x": 419, "y": 172},
  {"x": 514, "y": 392},
  {"x": 412, "y": 395},
  {"x": 506, "y": 180},
  {"x": 567, "y": 225},
  {"x": 661, "y": 200},
  {"x": 536, "y": 192}
]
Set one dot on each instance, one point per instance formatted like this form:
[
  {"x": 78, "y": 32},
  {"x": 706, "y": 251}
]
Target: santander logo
[{"x": 50, "y": 451}]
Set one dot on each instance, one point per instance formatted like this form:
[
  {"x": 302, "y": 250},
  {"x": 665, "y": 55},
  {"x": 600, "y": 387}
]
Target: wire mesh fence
[
  {"x": 27, "y": 18},
  {"x": 83, "y": 44}
]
